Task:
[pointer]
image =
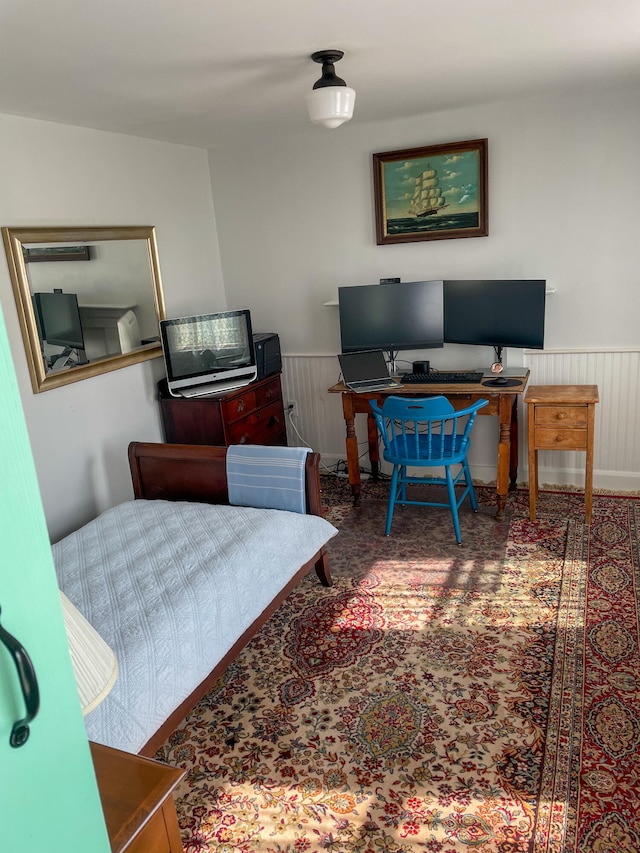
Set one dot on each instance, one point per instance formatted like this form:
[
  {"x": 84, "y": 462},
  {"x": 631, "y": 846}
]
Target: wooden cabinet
[
  {"x": 250, "y": 415},
  {"x": 561, "y": 417},
  {"x": 137, "y": 800}
]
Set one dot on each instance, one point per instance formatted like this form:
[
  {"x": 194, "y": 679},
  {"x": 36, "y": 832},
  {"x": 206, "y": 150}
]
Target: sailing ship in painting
[
  {"x": 432, "y": 197},
  {"x": 427, "y": 195}
]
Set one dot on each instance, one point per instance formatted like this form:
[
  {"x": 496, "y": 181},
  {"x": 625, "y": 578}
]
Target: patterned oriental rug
[{"x": 438, "y": 698}]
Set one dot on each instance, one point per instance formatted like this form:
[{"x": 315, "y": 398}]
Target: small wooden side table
[
  {"x": 561, "y": 417},
  {"x": 137, "y": 801}
]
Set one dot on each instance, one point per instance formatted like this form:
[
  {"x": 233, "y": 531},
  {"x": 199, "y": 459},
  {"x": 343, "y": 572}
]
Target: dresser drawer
[
  {"x": 269, "y": 392},
  {"x": 560, "y": 439},
  {"x": 266, "y": 426},
  {"x": 561, "y": 416},
  {"x": 240, "y": 406}
]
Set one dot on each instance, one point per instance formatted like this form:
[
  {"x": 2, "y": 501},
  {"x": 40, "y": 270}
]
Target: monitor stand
[
  {"x": 500, "y": 381},
  {"x": 391, "y": 361},
  {"x": 214, "y": 387},
  {"x": 69, "y": 357}
]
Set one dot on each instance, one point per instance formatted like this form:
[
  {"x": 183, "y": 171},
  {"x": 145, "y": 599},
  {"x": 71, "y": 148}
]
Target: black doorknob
[{"x": 29, "y": 685}]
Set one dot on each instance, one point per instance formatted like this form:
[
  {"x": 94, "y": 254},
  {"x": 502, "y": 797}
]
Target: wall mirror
[{"x": 89, "y": 299}]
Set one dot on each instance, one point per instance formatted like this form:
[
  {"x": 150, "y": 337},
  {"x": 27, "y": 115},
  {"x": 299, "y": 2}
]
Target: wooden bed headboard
[{"x": 196, "y": 472}]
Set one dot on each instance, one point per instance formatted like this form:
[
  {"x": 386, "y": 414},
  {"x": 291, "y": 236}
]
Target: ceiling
[{"x": 207, "y": 72}]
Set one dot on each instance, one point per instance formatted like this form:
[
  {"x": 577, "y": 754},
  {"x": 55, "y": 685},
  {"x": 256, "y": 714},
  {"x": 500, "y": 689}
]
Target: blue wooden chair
[{"x": 427, "y": 433}]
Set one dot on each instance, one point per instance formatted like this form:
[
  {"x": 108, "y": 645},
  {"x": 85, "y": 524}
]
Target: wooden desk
[
  {"x": 502, "y": 403},
  {"x": 137, "y": 801},
  {"x": 561, "y": 417}
]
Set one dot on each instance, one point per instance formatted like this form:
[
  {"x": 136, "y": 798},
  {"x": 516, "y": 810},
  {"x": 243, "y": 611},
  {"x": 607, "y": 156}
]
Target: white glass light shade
[
  {"x": 331, "y": 106},
  {"x": 94, "y": 664}
]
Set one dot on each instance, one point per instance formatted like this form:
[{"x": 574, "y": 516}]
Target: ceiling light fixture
[{"x": 331, "y": 101}]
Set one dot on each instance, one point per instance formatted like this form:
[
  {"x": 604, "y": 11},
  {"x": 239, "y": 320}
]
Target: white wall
[
  {"x": 294, "y": 219},
  {"x": 564, "y": 177},
  {"x": 56, "y": 175}
]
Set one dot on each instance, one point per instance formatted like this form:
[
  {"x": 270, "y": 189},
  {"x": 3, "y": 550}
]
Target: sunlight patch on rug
[{"x": 391, "y": 716}]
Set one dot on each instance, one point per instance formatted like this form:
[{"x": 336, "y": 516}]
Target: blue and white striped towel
[{"x": 267, "y": 477}]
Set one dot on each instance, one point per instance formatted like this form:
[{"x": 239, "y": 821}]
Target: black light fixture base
[
  {"x": 323, "y": 56},
  {"x": 327, "y": 58}
]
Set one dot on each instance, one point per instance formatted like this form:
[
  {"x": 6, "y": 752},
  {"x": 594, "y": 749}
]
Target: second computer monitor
[
  {"x": 404, "y": 316},
  {"x": 497, "y": 313}
]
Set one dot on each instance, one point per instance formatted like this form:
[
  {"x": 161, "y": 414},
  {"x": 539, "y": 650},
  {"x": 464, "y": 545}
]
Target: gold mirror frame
[{"x": 15, "y": 240}]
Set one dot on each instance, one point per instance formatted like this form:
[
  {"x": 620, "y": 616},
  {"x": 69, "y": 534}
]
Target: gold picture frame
[
  {"x": 438, "y": 192},
  {"x": 132, "y": 262}
]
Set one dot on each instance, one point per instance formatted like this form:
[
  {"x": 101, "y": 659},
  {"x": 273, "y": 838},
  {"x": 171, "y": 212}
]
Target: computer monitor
[
  {"x": 58, "y": 319},
  {"x": 208, "y": 350},
  {"x": 394, "y": 316},
  {"x": 496, "y": 313}
]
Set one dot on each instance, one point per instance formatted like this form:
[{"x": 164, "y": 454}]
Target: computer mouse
[{"x": 501, "y": 380}]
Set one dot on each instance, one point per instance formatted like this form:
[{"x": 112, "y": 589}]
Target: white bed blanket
[{"x": 171, "y": 586}]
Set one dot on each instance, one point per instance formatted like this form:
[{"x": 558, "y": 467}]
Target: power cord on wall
[{"x": 340, "y": 468}]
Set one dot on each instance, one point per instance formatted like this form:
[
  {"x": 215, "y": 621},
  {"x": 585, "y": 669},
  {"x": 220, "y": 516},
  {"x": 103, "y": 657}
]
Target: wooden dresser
[
  {"x": 137, "y": 801},
  {"x": 250, "y": 415}
]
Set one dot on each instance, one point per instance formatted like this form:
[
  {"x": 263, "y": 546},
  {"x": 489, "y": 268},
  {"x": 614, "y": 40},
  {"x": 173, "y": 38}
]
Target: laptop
[{"x": 366, "y": 371}]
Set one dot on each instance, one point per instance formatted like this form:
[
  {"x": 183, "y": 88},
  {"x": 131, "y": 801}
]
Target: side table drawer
[
  {"x": 561, "y": 416},
  {"x": 560, "y": 439}
]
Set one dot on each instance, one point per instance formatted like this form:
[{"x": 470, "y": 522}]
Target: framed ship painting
[{"x": 433, "y": 193}]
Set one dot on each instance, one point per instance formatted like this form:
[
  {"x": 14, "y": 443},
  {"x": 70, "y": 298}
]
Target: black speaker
[{"x": 420, "y": 367}]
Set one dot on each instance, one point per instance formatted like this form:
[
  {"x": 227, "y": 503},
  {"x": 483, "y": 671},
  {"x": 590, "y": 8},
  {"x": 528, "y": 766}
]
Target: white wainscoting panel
[
  {"x": 616, "y": 372},
  {"x": 318, "y": 421},
  {"x": 318, "y": 416}
]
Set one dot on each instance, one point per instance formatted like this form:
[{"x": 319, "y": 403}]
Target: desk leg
[
  {"x": 504, "y": 452},
  {"x": 353, "y": 461},
  {"x": 533, "y": 464},
  {"x": 588, "y": 476},
  {"x": 513, "y": 462},
  {"x": 372, "y": 438}
]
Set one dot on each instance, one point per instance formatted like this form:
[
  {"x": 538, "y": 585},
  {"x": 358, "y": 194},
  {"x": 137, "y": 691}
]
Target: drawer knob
[
  {"x": 559, "y": 438},
  {"x": 561, "y": 416}
]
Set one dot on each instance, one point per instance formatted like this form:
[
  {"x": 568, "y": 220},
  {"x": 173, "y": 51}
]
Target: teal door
[{"x": 48, "y": 795}]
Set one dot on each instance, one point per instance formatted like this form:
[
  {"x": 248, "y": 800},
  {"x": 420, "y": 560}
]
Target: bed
[{"x": 177, "y": 581}]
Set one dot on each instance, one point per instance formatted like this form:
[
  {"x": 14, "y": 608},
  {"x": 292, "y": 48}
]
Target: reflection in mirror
[{"x": 89, "y": 299}]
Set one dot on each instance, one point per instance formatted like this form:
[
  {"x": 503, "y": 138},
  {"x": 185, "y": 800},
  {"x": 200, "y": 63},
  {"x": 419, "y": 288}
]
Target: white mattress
[{"x": 171, "y": 586}]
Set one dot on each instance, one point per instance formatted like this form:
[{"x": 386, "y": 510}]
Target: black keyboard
[{"x": 444, "y": 377}]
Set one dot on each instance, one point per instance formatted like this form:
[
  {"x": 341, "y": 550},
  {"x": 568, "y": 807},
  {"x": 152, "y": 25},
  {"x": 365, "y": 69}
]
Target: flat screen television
[
  {"x": 58, "y": 319},
  {"x": 496, "y": 313},
  {"x": 207, "y": 353},
  {"x": 395, "y": 316}
]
